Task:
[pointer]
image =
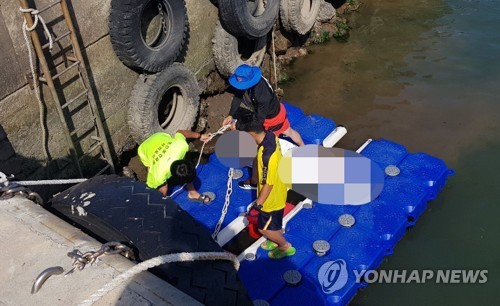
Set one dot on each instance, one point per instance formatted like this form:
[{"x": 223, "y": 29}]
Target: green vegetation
[
  {"x": 342, "y": 33},
  {"x": 284, "y": 78},
  {"x": 321, "y": 38},
  {"x": 324, "y": 37}
]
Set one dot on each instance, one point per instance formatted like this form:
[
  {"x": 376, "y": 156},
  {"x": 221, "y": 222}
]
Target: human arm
[
  {"x": 264, "y": 98},
  {"x": 264, "y": 194},
  {"x": 163, "y": 189},
  {"x": 193, "y": 135},
  {"x": 235, "y": 103}
]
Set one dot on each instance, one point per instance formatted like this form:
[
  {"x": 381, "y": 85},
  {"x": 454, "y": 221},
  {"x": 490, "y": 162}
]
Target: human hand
[
  {"x": 163, "y": 189},
  {"x": 227, "y": 120},
  {"x": 205, "y": 137}
]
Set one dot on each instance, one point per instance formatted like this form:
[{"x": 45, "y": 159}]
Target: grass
[
  {"x": 342, "y": 34},
  {"x": 284, "y": 78}
]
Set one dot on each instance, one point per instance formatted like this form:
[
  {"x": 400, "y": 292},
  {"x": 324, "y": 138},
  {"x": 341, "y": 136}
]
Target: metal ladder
[{"x": 84, "y": 99}]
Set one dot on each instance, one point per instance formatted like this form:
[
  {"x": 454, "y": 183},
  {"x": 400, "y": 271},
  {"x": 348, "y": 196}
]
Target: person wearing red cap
[{"x": 256, "y": 94}]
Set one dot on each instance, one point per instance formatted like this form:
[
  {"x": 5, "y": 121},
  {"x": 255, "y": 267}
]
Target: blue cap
[{"x": 245, "y": 77}]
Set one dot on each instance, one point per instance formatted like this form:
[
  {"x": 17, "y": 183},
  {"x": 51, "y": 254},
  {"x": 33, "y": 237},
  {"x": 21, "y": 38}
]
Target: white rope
[
  {"x": 51, "y": 182},
  {"x": 3, "y": 179},
  {"x": 229, "y": 191},
  {"x": 27, "y": 29},
  {"x": 212, "y": 135},
  {"x": 151, "y": 263},
  {"x": 274, "y": 59},
  {"x": 37, "y": 16}
]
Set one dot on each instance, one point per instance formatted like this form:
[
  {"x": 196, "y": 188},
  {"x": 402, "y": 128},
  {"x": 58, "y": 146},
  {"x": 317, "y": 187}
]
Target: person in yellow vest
[
  {"x": 271, "y": 191},
  {"x": 163, "y": 155}
]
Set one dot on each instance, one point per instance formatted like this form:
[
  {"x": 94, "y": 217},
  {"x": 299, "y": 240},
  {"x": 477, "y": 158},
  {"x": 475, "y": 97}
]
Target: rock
[
  {"x": 213, "y": 83},
  {"x": 281, "y": 43},
  {"x": 326, "y": 12},
  {"x": 267, "y": 67},
  {"x": 292, "y": 54}
]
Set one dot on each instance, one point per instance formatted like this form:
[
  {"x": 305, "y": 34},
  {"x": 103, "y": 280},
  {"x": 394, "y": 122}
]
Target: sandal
[
  {"x": 201, "y": 199},
  {"x": 268, "y": 245},
  {"x": 277, "y": 254}
]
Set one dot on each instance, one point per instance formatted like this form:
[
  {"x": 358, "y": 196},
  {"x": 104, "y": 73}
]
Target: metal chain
[
  {"x": 162, "y": 18},
  {"x": 80, "y": 260},
  {"x": 10, "y": 189},
  {"x": 229, "y": 191}
]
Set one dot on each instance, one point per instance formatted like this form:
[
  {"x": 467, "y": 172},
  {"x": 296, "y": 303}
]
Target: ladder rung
[
  {"x": 56, "y": 40},
  {"x": 83, "y": 126},
  {"x": 97, "y": 145},
  {"x": 62, "y": 72},
  {"x": 102, "y": 170},
  {"x": 96, "y": 138},
  {"x": 48, "y": 7},
  {"x": 83, "y": 93},
  {"x": 71, "y": 58}
]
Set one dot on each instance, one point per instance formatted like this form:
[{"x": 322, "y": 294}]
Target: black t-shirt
[{"x": 260, "y": 98}]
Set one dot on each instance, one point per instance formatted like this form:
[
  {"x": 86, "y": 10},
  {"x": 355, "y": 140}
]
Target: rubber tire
[
  {"x": 236, "y": 18},
  {"x": 147, "y": 94},
  {"x": 226, "y": 55},
  {"x": 292, "y": 18},
  {"x": 128, "y": 44},
  {"x": 10, "y": 163},
  {"x": 127, "y": 211}
]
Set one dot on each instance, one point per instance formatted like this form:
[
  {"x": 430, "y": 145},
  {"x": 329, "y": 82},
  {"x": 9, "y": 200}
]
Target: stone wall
[{"x": 113, "y": 82}]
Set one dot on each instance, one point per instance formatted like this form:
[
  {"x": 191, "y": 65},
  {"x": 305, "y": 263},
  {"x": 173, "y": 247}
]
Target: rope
[
  {"x": 274, "y": 60},
  {"x": 51, "y": 182},
  {"x": 154, "y": 262},
  {"x": 3, "y": 177},
  {"x": 27, "y": 29},
  {"x": 229, "y": 191},
  {"x": 212, "y": 135}
]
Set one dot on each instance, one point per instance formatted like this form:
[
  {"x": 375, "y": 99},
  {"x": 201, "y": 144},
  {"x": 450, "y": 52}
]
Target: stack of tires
[
  {"x": 149, "y": 36},
  {"x": 241, "y": 35}
]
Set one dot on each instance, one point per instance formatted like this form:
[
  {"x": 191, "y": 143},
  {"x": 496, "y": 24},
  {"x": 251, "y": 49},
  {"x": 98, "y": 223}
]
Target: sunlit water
[{"x": 425, "y": 74}]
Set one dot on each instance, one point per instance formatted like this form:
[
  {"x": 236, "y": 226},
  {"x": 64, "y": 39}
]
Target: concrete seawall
[{"x": 112, "y": 81}]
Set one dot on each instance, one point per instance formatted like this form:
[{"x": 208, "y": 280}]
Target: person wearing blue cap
[{"x": 255, "y": 92}]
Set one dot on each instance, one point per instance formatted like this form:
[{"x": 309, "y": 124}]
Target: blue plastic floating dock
[{"x": 378, "y": 226}]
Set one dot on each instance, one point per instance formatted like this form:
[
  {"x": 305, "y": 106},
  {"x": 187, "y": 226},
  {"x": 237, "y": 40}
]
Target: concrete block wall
[{"x": 19, "y": 109}]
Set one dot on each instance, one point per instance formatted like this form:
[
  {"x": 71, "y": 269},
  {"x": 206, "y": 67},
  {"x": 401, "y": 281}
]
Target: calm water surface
[{"x": 425, "y": 74}]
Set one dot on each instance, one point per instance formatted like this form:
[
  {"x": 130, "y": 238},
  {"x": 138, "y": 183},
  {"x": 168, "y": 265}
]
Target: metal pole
[
  {"x": 50, "y": 83},
  {"x": 90, "y": 93}
]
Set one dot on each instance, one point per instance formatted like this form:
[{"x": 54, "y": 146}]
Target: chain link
[
  {"x": 10, "y": 189},
  {"x": 80, "y": 260},
  {"x": 162, "y": 18},
  {"x": 229, "y": 191}
]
